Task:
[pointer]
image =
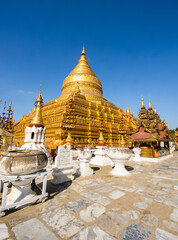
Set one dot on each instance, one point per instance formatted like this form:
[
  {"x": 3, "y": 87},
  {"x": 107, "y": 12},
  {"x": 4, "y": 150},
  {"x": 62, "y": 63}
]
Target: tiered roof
[{"x": 149, "y": 126}]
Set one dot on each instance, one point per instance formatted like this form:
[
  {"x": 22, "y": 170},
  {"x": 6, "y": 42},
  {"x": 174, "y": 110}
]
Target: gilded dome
[{"x": 83, "y": 76}]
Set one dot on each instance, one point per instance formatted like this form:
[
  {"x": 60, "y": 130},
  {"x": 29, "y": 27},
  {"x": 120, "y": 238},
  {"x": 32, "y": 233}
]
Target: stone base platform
[
  {"x": 159, "y": 159},
  {"x": 62, "y": 174}
]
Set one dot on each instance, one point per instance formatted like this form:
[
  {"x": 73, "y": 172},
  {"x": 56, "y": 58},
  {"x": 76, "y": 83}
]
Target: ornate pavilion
[
  {"x": 151, "y": 134},
  {"x": 81, "y": 113}
]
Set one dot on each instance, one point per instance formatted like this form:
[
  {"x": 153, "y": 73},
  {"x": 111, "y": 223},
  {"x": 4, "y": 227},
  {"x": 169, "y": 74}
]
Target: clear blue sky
[{"x": 132, "y": 47}]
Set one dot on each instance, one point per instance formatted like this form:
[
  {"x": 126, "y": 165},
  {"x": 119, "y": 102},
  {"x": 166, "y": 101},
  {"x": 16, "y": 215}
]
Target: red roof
[
  {"x": 141, "y": 134},
  {"x": 151, "y": 124},
  {"x": 162, "y": 133},
  {"x": 160, "y": 125}
]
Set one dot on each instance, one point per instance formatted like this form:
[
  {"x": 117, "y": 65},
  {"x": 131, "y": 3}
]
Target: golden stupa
[{"x": 77, "y": 114}]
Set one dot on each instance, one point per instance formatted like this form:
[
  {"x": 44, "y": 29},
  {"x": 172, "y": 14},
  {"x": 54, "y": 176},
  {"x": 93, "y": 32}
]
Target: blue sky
[{"x": 132, "y": 47}]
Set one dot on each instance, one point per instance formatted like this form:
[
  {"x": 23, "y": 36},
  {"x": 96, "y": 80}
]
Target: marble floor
[{"x": 143, "y": 205}]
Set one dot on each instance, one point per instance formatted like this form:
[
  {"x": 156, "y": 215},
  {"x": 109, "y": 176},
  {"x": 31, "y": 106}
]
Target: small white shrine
[
  {"x": 35, "y": 132},
  {"x": 101, "y": 158}
]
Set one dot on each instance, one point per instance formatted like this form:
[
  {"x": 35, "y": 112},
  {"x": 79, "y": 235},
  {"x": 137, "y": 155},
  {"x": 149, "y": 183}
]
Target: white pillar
[
  {"x": 84, "y": 157},
  {"x": 101, "y": 158},
  {"x": 137, "y": 152}
]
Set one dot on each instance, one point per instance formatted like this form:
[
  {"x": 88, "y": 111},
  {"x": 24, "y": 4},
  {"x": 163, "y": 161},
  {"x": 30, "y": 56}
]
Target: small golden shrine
[
  {"x": 78, "y": 112},
  {"x": 151, "y": 134}
]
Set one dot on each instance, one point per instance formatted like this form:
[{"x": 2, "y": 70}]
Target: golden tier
[
  {"x": 83, "y": 76},
  {"x": 80, "y": 109}
]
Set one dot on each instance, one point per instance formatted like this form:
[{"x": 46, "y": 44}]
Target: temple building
[
  {"x": 151, "y": 134},
  {"x": 79, "y": 113}
]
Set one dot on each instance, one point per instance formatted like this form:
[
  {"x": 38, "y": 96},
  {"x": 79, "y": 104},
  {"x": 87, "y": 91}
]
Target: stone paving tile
[
  {"x": 76, "y": 206},
  {"x": 93, "y": 186},
  {"x": 32, "y": 229},
  {"x": 138, "y": 187},
  {"x": 19, "y": 219},
  {"x": 65, "y": 194},
  {"x": 86, "y": 182},
  {"x": 109, "y": 183},
  {"x": 90, "y": 181},
  {"x": 170, "y": 190},
  {"x": 149, "y": 220},
  {"x": 50, "y": 204},
  {"x": 92, "y": 212},
  {"x": 93, "y": 233},
  {"x": 168, "y": 178},
  {"x": 156, "y": 187},
  {"x": 98, "y": 180},
  {"x": 158, "y": 198},
  {"x": 105, "y": 189},
  {"x": 109, "y": 225},
  {"x": 164, "y": 235},
  {"x": 115, "y": 209},
  {"x": 171, "y": 202},
  {"x": 154, "y": 181},
  {"x": 125, "y": 188},
  {"x": 116, "y": 194},
  {"x": 62, "y": 222},
  {"x": 174, "y": 215},
  {"x": 159, "y": 193},
  {"x": 77, "y": 188},
  {"x": 147, "y": 200},
  {"x": 175, "y": 196},
  {"x": 96, "y": 198},
  {"x": 172, "y": 226},
  {"x": 135, "y": 232},
  {"x": 131, "y": 214},
  {"x": 141, "y": 205},
  {"x": 119, "y": 218},
  {"x": 3, "y": 231},
  {"x": 165, "y": 185}
]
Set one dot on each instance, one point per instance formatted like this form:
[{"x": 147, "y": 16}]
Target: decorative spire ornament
[
  {"x": 83, "y": 51},
  {"x": 150, "y": 104},
  {"x": 37, "y": 119},
  {"x": 128, "y": 110},
  {"x": 155, "y": 110},
  {"x": 142, "y": 103}
]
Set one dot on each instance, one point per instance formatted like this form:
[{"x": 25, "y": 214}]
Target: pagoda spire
[
  {"x": 155, "y": 110},
  {"x": 142, "y": 103},
  {"x": 128, "y": 110},
  {"x": 83, "y": 51},
  {"x": 37, "y": 119},
  {"x": 150, "y": 104},
  {"x": 82, "y": 73}
]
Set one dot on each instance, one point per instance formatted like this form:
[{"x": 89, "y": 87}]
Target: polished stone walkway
[{"x": 143, "y": 205}]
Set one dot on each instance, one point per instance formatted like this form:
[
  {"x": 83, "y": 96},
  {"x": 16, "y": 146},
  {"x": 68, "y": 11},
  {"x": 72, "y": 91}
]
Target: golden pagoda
[{"x": 77, "y": 112}]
